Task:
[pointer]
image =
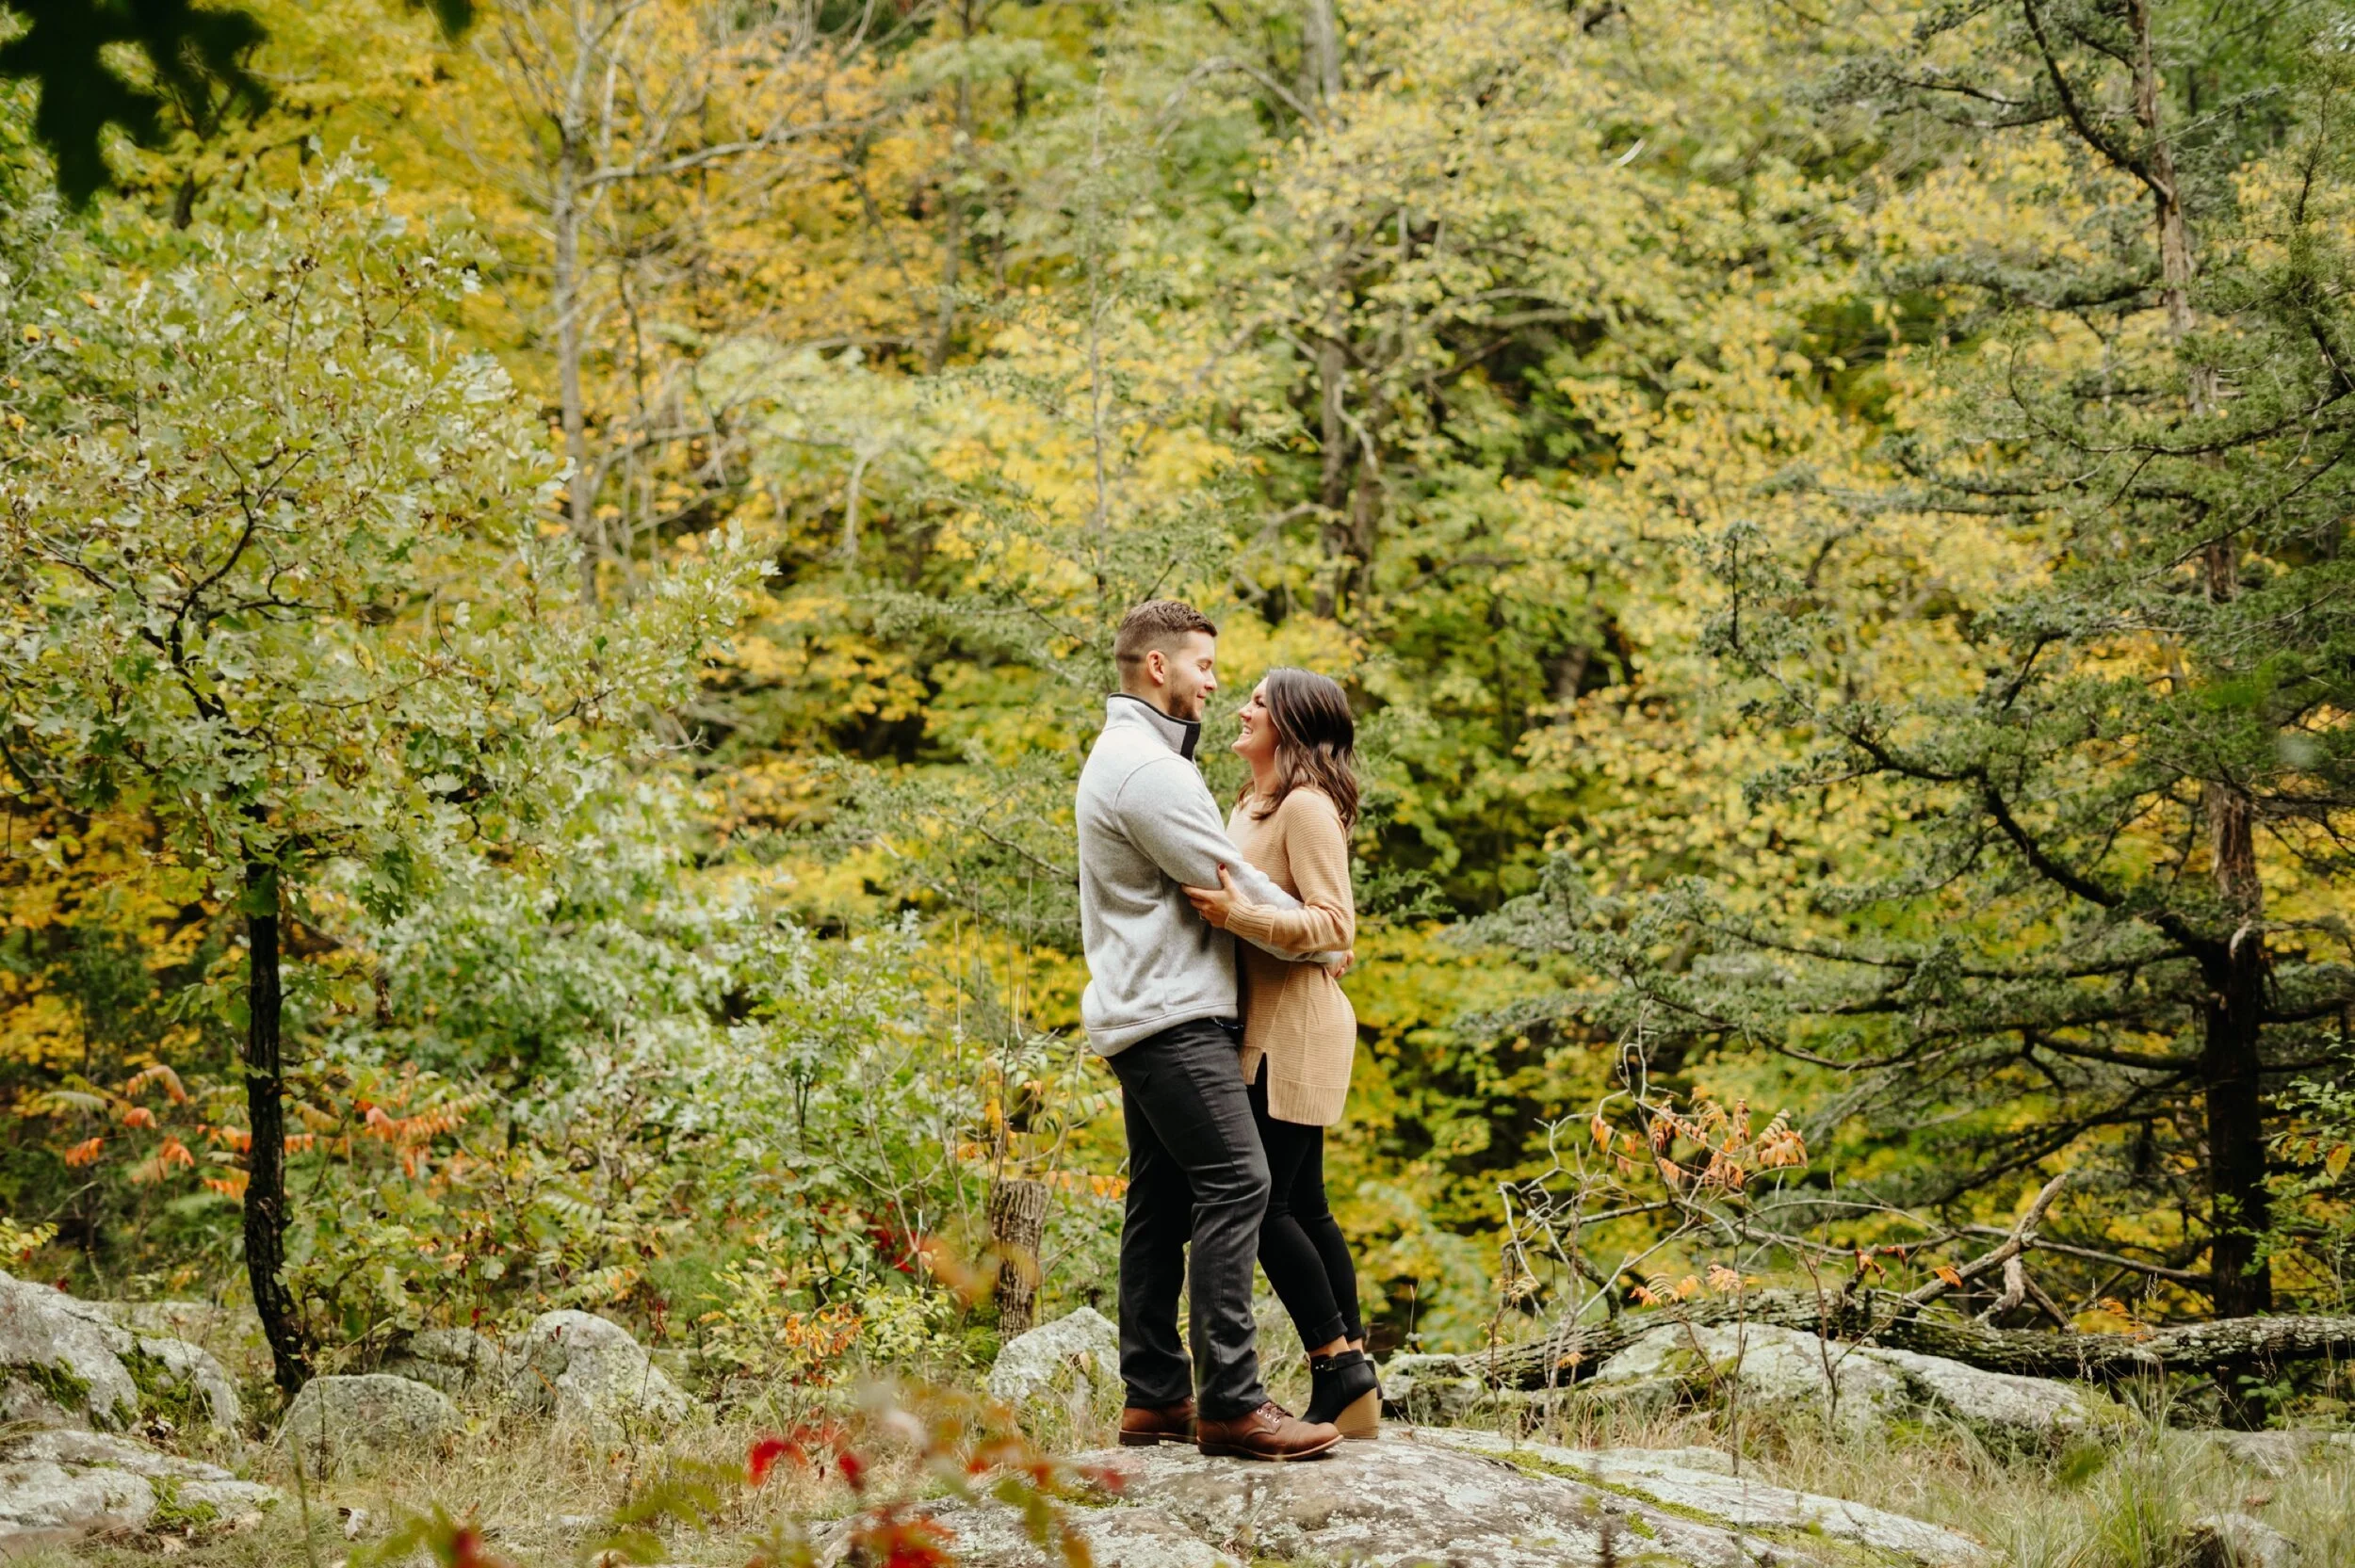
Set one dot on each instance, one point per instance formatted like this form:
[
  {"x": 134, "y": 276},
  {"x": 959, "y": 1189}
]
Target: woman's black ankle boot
[{"x": 1344, "y": 1391}]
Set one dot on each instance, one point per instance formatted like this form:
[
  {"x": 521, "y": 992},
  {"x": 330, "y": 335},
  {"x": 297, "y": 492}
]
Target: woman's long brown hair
[{"x": 1316, "y": 742}]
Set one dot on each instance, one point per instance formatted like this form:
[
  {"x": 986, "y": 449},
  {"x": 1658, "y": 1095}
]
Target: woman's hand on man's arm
[{"x": 1216, "y": 904}]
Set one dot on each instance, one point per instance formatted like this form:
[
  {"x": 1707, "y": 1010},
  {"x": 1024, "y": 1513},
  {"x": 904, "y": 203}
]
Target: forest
[{"x": 558, "y": 566}]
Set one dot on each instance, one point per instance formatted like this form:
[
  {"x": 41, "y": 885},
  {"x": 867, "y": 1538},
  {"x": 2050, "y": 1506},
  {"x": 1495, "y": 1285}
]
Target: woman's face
[{"x": 1255, "y": 741}]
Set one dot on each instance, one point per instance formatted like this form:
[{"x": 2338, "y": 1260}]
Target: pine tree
[{"x": 2092, "y": 924}]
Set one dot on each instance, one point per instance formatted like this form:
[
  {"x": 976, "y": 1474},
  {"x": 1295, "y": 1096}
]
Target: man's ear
[{"x": 1156, "y": 666}]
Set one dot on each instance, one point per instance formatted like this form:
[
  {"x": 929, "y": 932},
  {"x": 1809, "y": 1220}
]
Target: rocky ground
[
  {"x": 125, "y": 1440},
  {"x": 1459, "y": 1498},
  {"x": 106, "y": 1411}
]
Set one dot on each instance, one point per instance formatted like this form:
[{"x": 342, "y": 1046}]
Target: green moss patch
[
  {"x": 56, "y": 1381},
  {"x": 1847, "y": 1554}
]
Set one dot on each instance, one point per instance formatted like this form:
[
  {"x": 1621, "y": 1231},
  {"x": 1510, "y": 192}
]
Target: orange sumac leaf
[{"x": 158, "y": 1074}]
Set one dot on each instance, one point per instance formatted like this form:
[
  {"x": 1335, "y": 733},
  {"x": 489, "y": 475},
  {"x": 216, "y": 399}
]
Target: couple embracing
[{"x": 1229, "y": 1071}]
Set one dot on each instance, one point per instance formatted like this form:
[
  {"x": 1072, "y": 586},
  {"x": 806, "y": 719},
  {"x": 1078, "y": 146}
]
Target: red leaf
[
  {"x": 764, "y": 1456},
  {"x": 467, "y": 1551}
]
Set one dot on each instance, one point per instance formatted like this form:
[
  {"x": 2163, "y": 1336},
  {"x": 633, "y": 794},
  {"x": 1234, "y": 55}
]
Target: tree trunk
[
  {"x": 1324, "y": 51},
  {"x": 1333, "y": 485},
  {"x": 2229, "y": 1068},
  {"x": 1887, "y": 1318},
  {"x": 1017, "y": 1223},
  {"x": 2175, "y": 263},
  {"x": 565, "y": 218},
  {"x": 952, "y": 217},
  {"x": 2240, "y": 1208},
  {"x": 265, "y": 1158},
  {"x": 566, "y": 297}
]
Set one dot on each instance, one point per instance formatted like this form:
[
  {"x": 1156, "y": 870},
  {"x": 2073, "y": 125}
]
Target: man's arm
[{"x": 1168, "y": 813}]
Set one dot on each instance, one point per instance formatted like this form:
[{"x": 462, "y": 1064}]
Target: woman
[{"x": 1292, "y": 821}]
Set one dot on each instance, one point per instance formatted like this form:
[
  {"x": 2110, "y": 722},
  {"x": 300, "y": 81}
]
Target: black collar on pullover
[{"x": 1181, "y": 734}]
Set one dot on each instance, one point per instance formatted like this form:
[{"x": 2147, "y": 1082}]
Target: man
[{"x": 1161, "y": 1005}]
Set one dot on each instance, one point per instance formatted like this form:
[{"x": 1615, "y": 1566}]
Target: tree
[
  {"x": 273, "y": 571},
  {"x": 2091, "y": 724},
  {"x": 193, "y": 70},
  {"x": 637, "y": 133}
]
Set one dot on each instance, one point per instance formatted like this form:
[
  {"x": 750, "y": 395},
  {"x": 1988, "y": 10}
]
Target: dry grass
[
  {"x": 539, "y": 1494},
  {"x": 2123, "y": 1500}
]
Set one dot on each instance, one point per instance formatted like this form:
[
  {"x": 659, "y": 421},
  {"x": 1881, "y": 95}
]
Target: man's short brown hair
[{"x": 1161, "y": 623}]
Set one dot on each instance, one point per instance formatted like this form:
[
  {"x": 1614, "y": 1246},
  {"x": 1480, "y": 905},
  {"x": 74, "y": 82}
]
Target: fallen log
[{"x": 1885, "y": 1317}]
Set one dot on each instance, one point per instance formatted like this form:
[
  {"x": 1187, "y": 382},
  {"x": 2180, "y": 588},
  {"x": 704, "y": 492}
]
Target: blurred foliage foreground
[{"x": 556, "y": 580}]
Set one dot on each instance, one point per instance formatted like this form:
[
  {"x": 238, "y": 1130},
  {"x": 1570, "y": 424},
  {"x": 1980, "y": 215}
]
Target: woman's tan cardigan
[{"x": 1294, "y": 1014}]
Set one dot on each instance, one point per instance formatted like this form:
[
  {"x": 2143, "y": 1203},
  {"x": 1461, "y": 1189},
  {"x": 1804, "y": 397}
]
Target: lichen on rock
[
  {"x": 458, "y": 1362},
  {"x": 1857, "y": 1388},
  {"x": 345, "y": 1418},
  {"x": 577, "y": 1366},
  {"x": 1426, "y": 1496},
  {"x": 67, "y": 1359},
  {"x": 62, "y": 1483},
  {"x": 1076, "y": 1355}
]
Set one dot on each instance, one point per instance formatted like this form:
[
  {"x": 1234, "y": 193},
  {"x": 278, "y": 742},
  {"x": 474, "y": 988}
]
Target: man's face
[{"x": 1189, "y": 675}]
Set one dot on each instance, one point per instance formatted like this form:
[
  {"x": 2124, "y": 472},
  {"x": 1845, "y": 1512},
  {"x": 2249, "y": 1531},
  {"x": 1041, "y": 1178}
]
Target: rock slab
[
  {"x": 71, "y": 1361},
  {"x": 1672, "y": 1478},
  {"x": 1424, "y": 1498},
  {"x": 1080, "y": 1351},
  {"x": 63, "y": 1483}
]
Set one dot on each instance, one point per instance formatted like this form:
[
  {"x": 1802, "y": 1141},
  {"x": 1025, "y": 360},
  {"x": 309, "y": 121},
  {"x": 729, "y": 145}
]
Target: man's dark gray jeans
[{"x": 1196, "y": 1173}]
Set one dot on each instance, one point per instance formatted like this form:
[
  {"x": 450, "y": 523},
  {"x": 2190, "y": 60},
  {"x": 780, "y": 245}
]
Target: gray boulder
[
  {"x": 1767, "y": 1366},
  {"x": 1431, "y": 1388},
  {"x": 579, "y": 1367},
  {"x": 61, "y": 1364},
  {"x": 232, "y": 1334},
  {"x": 1990, "y": 1401},
  {"x": 1860, "y": 1388},
  {"x": 458, "y": 1362},
  {"x": 182, "y": 1381},
  {"x": 2275, "y": 1454},
  {"x": 1073, "y": 1356},
  {"x": 2235, "y": 1541},
  {"x": 70, "y": 1361},
  {"x": 336, "y": 1418},
  {"x": 61, "y": 1484},
  {"x": 1425, "y": 1498}
]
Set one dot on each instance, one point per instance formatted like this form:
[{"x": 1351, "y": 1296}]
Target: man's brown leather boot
[
  {"x": 1140, "y": 1428},
  {"x": 1269, "y": 1432}
]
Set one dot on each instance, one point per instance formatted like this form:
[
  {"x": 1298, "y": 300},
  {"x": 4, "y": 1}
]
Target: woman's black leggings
[{"x": 1300, "y": 1242}]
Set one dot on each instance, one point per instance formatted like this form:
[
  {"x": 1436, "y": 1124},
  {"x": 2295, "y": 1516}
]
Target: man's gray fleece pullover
[{"x": 1148, "y": 830}]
